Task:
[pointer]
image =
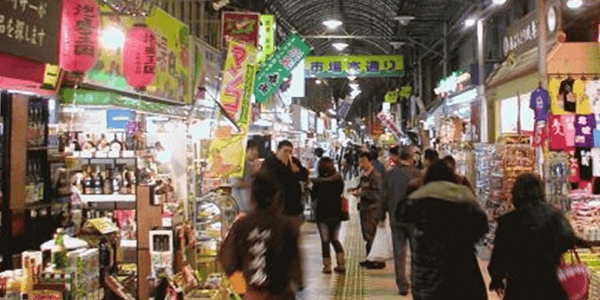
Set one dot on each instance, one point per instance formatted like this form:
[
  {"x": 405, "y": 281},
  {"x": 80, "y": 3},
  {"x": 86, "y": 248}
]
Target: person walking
[
  {"x": 429, "y": 157},
  {"x": 288, "y": 172},
  {"x": 263, "y": 245},
  {"x": 242, "y": 185},
  {"x": 327, "y": 191},
  {"x": 447, "y": 222},
  {"x": 460, "y": 179},
  {"x": 393, "y": 194},
  {"x": 528, "y": 245},
  {"x": 369, "y": 192},
  {"x": 349, "y": 162}
]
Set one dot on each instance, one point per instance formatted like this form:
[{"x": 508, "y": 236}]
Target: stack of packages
[
  {"x": 488, "y": 181},
  {"x": 585, "y": 209},
  {"x": 81, "y": 276}
]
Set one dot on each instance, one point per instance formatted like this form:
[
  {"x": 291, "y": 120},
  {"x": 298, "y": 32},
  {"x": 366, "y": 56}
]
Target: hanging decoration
[
  {"x": 80, "y": 27},
  {"x": 139, "y": 57},
  {"x": 131, "y": 7}
]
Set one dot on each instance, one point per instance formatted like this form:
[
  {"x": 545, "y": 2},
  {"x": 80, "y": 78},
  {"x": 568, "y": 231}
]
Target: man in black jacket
[{"x": 288, "y": 172}]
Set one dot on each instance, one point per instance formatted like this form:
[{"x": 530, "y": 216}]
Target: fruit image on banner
[{"x": 173, "y": 79}]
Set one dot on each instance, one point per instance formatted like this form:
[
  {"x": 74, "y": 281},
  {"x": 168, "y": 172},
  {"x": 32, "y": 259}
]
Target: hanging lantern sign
[
  {"x": 139, "y": 57},
  {"x": 80, "y": 26}
]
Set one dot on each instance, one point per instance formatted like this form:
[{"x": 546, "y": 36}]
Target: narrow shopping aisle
[{"x": 357, "y": 283}]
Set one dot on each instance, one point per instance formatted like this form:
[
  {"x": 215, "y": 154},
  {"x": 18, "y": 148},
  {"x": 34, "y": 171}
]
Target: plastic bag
[{"x": 382, "y": 249}]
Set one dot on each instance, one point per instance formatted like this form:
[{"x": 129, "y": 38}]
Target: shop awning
[
  {"x": 575, "y": 58},
  {"x": 513, "y": 68}
]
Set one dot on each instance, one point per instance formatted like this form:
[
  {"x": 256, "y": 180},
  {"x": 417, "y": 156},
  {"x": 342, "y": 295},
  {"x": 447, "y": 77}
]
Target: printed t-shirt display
[
  {"x": 583, "y": 102},
  {"x": 540, "y": 102},
  {"x": 567, "y": 96},
  {"x": 584, "y": 156},
  {"x": 556, "y": 104},
  {"x": 573, "y": 167},
  {"x": 557, "y": 133},
  {"x": 596, "y": 162},
  {"x": 592, "y": 91},
  {"x": 569, "y": 122},
  {"x": 597, "y": 131},
  {"x": 584, "y": 130},
  {"x": 540, "y": 134}
]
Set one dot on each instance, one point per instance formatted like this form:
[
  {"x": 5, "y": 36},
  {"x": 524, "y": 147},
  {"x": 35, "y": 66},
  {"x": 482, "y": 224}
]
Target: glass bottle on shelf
[
  {"x": 117, "y": 180},
  {"x": 30, "y": 124},
  {"x": 39, "y": 188},
  {"x": 98, "y": 182},
  {"x": 115, "y": 144},
  {"x": 125, "y": 188},
  {"x": 29, "y": 183},
  {"x": 108, "y": 181},
  {"x": 88, "y": 182}
]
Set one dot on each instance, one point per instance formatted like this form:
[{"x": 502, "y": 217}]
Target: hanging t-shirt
[
  {"x": 584, "y": 130},
  {"x": 557, "y": 133},
  {"x": 540, "y": 134},
  {"x": 592, "y": 90},
  {"x": 540, "y": 102},
  {"x": 596, "y": 162},
  {"x": 569, "y": 123},
  {"x": 584, "y": 156},
  {"x": 584, "y": 106},
  {"x": 567, "y": 96},
  {"x": 573, "y": 167},
  {"x": 556, "y": 103}
]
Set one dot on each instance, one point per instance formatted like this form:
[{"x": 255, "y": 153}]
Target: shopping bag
[
  {"x": 345, "y": 205},
  {"x": 382, "y": 249},
  {"x": 574, "y": 278}
]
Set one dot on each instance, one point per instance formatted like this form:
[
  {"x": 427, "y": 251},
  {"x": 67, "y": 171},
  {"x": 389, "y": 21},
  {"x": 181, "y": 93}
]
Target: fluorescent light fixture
[
  {"x": 318, "y": 81},
  {"x": 113, "y": 38},
  {"x": 351, "y": 77},
  {"x": 470, "y": 22},
  {"x": 499, "y": 2},
  {"x": 354, "y": 86},
  {"x": 340, "y": 46},
  {"x": 332, "y": 24},
  {"x": 574, "y": 4},
  {"x": 355, "y": 93},
  {"x": 331, "y": 111}
]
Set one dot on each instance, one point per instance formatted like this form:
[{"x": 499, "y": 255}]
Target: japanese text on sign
[{"x": 366, "y": 65}]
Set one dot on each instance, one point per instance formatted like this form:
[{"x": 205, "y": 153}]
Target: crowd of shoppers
[{"x": 431, "y": 207}]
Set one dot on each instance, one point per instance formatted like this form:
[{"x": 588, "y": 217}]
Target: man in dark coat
[
  {"x": 288, "y": 172},
  {"x": 447, "y": 222},
  {"x": 528, "y": 246},
  {"x": 395, "y": 185}
]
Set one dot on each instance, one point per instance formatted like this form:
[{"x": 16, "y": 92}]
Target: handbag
[
  {"x": 345, "y": 205},
  {"x": 574, "y": 277}
]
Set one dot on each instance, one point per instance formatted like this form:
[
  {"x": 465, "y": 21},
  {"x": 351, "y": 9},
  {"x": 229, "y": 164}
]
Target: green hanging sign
[
  {"x": 279, "y": 65},
  {"x": 391, "y": 96}
]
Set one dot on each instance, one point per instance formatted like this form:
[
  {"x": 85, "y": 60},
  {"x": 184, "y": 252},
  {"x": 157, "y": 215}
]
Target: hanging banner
[
  {"x": 226, "y": 153},
  {"x": 391, "y": 96},
  {"x": 279, "y": 65},
  {"x": 30, "y": 29},
  {"x": 236, "y": 78},
  {"x": 266, "y": 38},
  {"x": 173, "y": 79},
  {"x": 207, "y": 67},
  {"x": 355, "y": 65},
  {"x": 405, "y": 91},
  {"x": 241, "y": 27}
]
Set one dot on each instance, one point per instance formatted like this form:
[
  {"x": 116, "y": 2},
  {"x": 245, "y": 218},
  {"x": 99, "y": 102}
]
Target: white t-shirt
[{"x": 596, "y": 162}]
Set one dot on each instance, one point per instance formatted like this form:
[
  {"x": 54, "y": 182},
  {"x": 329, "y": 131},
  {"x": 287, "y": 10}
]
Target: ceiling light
[
  {"x": 404, "y": 20},
  {"x": 332, "y": 24},
  {"x": 351, "y": 77},
  {"x": 318, "y": 81},
  {"x": 470, "y": 22},
  {"x": 113, "y": 38},
  {"x": 499, "y": 2},
  {"x": 331, "y": 111},
  {"x": 397, "y": 45},
  {"x": 354, "y": 86},
  {"x": 340, "y": 46},
  {"x": 574, "y": 4}
]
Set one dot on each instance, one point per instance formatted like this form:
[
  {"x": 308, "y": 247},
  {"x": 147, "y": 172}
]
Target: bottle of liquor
[
  {"x": 39, "y": 188},
  {"x": 116, "y": 145},
  {"x": 43, "y": 123},
  {"x": 117, "y": 180},
  {"x": 125, "y": 186},
  {"x": 29, "y": 183},
  {"x": 30, "y": 124},
  {"x": 108, "y": 181},
  {"x": 89, "y": 182},
  {"x": 98, "y": 182}
]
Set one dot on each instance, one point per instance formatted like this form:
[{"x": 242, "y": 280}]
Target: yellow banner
[
  {"x": 266, "y": 38},
  {"x": 233, "y": 87},
  {"x": 354, "y": 65},
  {"x": 391, "y": 96}
]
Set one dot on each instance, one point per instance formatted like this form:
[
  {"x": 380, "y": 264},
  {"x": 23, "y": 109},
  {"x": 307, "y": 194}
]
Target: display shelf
[{"x": 108, "y": 198}]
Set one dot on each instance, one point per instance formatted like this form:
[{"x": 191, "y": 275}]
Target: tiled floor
[{"x": 357, "y": 283}]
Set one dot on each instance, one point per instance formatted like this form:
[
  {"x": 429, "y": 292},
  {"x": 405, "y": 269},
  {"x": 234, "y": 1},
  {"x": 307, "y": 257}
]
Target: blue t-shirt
[{"x": 540, "y": 102}]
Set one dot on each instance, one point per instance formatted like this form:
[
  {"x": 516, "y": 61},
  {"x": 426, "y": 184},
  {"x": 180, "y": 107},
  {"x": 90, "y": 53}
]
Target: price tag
[
  {"x": 101, "y": 154},
  {"x": 167, "y": 221},
  {"x": 114, "y": 154},
  {"x": 87, "y": 154},
  {"x": 76, "y": 153},
  {"x": 128, "y": 153}
]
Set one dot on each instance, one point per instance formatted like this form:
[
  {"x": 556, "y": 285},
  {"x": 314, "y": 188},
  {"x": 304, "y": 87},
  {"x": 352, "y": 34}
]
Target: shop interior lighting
[
  {"x": 318, "y": 81},
  {"x": 354, "y": 86},
  {"x": 351, "y": 78},
  {"x": 113, "y": 38},
  {"x": 339, "y": 46},
  {"x": 574, "y": 4},
  {"x": 332, "y": 24},
  {"x": 499, "y": 2},
  {"x": 404, "y": 20},
  {"x": 470, "y": 22}
]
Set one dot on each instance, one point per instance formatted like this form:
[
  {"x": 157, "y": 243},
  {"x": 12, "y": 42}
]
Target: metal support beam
[
  {"x": 481, "y": 61},
  {"x": 445, "y": 51},
  {"x": 368, "y": 37},
  {"x": 542, "y": 44}
]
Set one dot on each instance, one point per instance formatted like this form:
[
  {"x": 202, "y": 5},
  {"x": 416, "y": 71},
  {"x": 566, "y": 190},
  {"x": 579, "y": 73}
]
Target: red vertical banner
[{"x": 240, "y": 26}]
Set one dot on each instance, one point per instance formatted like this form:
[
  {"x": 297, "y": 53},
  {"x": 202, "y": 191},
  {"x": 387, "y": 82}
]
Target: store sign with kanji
[
  {"x": 238, "y": 76},
  {"x": 266, "y": 38},
  {"x": 241, "y": 27},
  {"x": 279, "y": 65},
  {"x": 29, "y": 28},
  {"x": 356, "y": 65}
]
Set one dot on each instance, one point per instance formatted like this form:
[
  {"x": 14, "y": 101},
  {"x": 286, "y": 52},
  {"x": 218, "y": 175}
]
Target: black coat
[
  {"x": 527, "y": 249},
  {"x": 288, "y": 182},
  {"x": 328, "y": 194},
  {"x": 447, "y": 221}
]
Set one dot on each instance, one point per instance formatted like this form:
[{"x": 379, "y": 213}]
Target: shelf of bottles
[{"x": 37, "y": 172}]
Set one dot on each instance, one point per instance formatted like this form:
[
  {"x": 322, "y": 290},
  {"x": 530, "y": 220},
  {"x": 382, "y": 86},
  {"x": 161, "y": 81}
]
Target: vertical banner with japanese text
[
  {"x": 266, "y": 38},
  {"x": 239, "y": 57},
  {"x": 279, "y": 65},
  {"x": 241, "y": 27}
]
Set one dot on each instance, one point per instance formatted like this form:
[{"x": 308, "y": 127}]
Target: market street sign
[
  {"x": 28, "y": 28},
  {"x": 266, "y": 38},
  {"x": 355, "y": 65},
  {"x": 241, "y": 27},
  {"x": 279, "y": 65},
  {"x": 523, "y": 35}
]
